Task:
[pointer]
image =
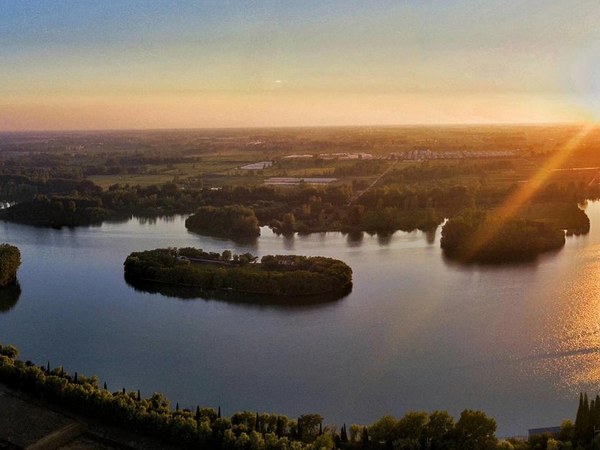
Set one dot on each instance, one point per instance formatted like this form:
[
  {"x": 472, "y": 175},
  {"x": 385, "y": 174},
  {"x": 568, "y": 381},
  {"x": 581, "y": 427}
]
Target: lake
[{"x": 416, "y": 332}]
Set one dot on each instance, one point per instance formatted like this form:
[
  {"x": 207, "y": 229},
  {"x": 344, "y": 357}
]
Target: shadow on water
[
  {"x": 355, "y": 238},
  {"x": 457, "y": 262},
  {"x": 241, "y": 241},
  {"x": 9, "y": 296},
  {"x": 237, "y": 298}
]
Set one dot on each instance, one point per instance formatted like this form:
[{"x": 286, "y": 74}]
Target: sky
[{"x": 122, "y": 64}]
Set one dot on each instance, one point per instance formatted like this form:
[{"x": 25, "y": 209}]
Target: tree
[
  {"x": 384, "y": 430},
  {"x": 289, "y": 223},
  {"x": 354, "y": 215},
  {"x": 567, "y": 430},
  {"x": 344, "y": 434},
  {"x": 10, "y": 261},
  {"x": 412, "y": 425},
  {"x": 323, "y": 442},
  {"x": 438, "y": 428},
  {"x": 309, "y": 425},
  {"x": 354, "y": 432},
  {"x": 476, "y": 431}
]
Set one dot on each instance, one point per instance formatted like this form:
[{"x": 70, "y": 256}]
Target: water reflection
[
  {"x": 236, "y": 298},
  {"x": 9, "y": 296},
  {"x": 430, "y": 236},
  {"x": 239, "y": 241},
  {"x": 384, "y": 239},
  {"x": 289, "y": 241},
  {"x": 355, "y": 238}
]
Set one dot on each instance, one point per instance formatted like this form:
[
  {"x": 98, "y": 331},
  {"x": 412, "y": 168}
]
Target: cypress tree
[
  {"x": 105, "y": 386},
  {"x": 219, "y": 413},
  {"x": 365, "y": 437},
  {"x": 123, "y": 391},
  {"x": 177, "y": 407},
  {"x": 588, "y": 427},
  {"x": 299, "y": 430},
  {"x": 256, "y": 424},
  {"x": 597, "y": 413},
  {"x": 75, "y": 377},
  {"x": 344, "y": 434},
  {"x": 48, "y": 369},
  {"x": 320, "y": 428},
  {"x": 139, "y": 397},
  {"x": 579, "y": 419},
  {"x": 198, "y": 413}
]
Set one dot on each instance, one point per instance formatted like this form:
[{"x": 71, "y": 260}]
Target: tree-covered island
[
  {"x": 473, "y": 237},
  {"x": 282, "y": 275}
]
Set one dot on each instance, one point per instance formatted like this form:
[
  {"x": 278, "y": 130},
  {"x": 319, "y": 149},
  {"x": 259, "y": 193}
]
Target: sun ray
[{"x": 515, "y": 202}]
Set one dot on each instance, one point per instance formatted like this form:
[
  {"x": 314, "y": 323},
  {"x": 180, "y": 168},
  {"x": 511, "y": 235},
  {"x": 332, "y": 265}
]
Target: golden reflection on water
[{"x": 569, "y": 347}]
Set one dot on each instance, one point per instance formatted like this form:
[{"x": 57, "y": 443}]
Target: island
[
  {"x": 473, "y": 237},
  {"x": 280, "y": 275}
]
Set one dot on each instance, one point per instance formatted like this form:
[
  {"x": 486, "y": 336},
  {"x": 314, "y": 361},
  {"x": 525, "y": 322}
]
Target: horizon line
[{"x": 293, "y": 127}]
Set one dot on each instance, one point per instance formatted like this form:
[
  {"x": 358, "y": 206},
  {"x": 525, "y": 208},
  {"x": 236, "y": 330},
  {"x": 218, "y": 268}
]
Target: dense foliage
[
  {"x": 206, "y": 428},
  {"x": 57, "y": 211},
  {"x": 10, "y": 261},
  {"x": 235, "y": 221},
  {"x": 286, "y": 275},
  {"x": 473, "y": 237}
]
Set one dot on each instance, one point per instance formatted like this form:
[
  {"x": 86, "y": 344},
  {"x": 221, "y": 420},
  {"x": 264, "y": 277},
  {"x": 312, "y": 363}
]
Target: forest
[{"x": 281, "y": 275}]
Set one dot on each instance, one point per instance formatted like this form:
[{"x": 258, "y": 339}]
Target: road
[{"x": 354, "y": 198}]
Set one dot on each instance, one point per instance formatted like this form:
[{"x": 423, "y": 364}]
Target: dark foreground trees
[
  {"x": 10, "y": 261},
  {"x": 207, "y": 428}
]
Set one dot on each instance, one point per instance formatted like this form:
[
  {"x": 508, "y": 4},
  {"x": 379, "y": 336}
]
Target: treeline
[
  {"x": 20, "y": 187},
  {"x": 283, "y": 275},
  {"x": 581, "y": 435},
  {"x": 433, "y": 172},
  {"x": 207, "y": 428},
  {"x": 57, "y": 211},
  {"x": 303, "y": 209},
  {"x": 232, "y": 221},
  {"x": 587, "y": 422},
  {"x": 475, "y": 237}
]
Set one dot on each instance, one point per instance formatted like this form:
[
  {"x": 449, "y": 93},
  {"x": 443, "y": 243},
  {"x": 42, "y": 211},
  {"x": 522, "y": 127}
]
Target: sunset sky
[{"x": 176, "y": 64}]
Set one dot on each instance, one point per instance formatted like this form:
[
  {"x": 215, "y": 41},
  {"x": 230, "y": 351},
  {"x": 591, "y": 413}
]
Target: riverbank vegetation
[
  {"x": 281, "y": 275},
  {"x": 10, "y": 261},
  {"x": 207, "y": 428}
]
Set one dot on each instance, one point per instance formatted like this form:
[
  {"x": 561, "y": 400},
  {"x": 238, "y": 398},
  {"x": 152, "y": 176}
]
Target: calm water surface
[{"x": 416, "y": 333}]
